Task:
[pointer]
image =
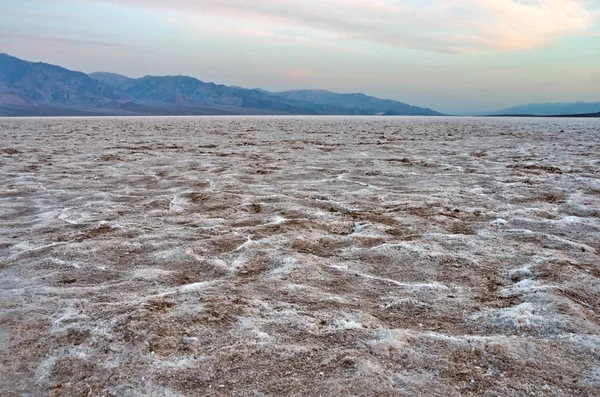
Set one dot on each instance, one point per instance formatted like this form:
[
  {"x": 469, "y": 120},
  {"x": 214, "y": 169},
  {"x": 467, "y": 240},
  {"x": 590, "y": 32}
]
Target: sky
[{"x": 450, "y": 55}]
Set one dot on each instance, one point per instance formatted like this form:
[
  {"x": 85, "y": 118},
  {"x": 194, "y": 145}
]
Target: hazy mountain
[
  {"x": 589, "y": 115},
  {"x": 23, "y": 83},
  {"x": 28, "y": 88},
  {"x": 176, "y": 91},
  {"x": 189, "y": 91},
  {"x": 356, "y": 101},
  {"x": 112, "y": 79},
  {"x": 549, "y": 109}
]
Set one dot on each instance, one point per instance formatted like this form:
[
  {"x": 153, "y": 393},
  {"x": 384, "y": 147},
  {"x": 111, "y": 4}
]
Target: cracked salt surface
[{"x": 278, "y": 256}]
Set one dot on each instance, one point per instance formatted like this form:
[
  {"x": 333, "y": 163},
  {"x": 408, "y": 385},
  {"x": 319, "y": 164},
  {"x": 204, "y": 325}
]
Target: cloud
[
  {"x": 450, "y": 26},
  {"x": 51, "y": 39},
  {"x": 297, "y": 74}
]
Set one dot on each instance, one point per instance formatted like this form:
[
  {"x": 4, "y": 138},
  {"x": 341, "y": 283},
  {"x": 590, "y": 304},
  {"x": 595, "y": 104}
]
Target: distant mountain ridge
[
  {"x": 31, "y": 89},
  {"x": 39, "y": 83},
  {"x": 356, "y": 101},
  {"x": 112, "y": 79},
  {"x": 550, "y": 109}
]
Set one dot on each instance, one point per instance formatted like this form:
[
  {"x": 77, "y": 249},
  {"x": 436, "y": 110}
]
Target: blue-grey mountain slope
[
  {"x": 31, "y": 89},
  {"x": 41, "y": 84},
  {"x": 356, "y": 101},
  {"x": 550, "y": 109},
  {"x": 112, "y": 79}
]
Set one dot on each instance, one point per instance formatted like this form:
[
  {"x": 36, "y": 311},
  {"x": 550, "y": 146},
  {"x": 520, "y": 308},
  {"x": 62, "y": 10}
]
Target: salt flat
[{"x": 272, "y": 256}]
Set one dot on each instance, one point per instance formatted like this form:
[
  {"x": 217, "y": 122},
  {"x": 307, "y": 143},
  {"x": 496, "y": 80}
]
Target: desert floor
[{"x": 274, "y": 256}]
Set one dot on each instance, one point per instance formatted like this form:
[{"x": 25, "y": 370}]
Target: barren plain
[{"x": 288, "y": 256}]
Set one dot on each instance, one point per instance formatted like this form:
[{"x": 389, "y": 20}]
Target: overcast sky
[{"x": 450, "y": 55}]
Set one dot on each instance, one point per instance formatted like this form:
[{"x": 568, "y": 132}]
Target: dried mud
[{"x": 270, "y": 256}]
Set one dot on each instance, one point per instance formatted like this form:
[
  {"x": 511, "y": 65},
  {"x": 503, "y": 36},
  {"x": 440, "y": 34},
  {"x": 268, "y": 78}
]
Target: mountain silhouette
[{"x": 41, "y": 89}]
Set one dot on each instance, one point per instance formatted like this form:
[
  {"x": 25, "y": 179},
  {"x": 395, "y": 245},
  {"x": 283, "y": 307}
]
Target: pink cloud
[
  {"x": 454, "y": 26},
  {"x": 298, "y": 74},
  {"x": 61, "y": 40}
]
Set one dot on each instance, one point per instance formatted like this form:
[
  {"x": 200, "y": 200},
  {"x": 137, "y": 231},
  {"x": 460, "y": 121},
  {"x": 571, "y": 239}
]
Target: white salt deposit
[{"x": 255, "y": 256}]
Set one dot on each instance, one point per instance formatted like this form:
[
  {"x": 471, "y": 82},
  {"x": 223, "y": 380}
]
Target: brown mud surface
[{"x": 274, "y": 256}]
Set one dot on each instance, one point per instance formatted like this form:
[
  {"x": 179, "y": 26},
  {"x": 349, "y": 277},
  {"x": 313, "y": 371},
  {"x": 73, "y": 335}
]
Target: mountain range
[
  {"x": 550, "y": 109},
  {"x": 41, "y": 89}
]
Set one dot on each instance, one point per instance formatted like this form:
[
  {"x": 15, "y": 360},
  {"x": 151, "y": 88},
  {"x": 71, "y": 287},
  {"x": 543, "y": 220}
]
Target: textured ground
[{"x": 299, "y": 256}]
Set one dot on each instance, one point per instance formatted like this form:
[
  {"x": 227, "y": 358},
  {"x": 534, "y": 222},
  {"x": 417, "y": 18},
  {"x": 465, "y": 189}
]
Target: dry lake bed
[{"x": 282, "y": 256}]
